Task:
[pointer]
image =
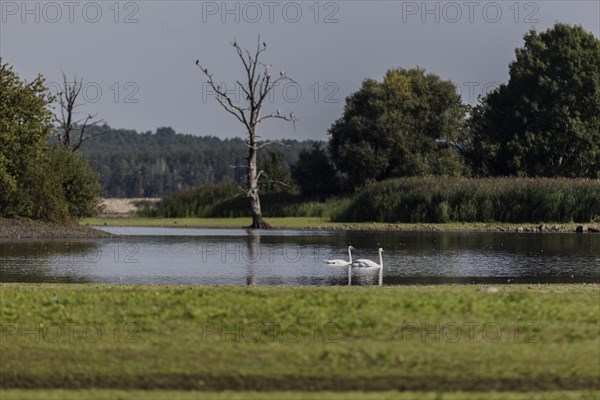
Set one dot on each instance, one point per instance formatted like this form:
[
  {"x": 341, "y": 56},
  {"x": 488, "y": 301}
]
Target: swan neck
[{"x": 349, "y": 275}]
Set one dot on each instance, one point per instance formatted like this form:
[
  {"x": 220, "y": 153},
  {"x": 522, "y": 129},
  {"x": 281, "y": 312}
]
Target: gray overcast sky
[{"x": 138, "y": 57}]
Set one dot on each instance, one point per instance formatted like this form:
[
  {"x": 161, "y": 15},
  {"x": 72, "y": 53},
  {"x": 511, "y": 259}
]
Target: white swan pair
[{"x": 362, "y": 263}]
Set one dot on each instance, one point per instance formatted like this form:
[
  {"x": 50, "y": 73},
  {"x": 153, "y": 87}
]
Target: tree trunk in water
[{"x": 257, "y": 219}]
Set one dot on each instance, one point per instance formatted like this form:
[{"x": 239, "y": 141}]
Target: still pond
[{"x": 280, "y": 257}]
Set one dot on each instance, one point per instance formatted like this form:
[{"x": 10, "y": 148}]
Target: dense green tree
[
  {"x": 275, "y": 175},
  {"x": 25, "y": 123},
  {"x": 315, "y": 174},
  {"x": 412, "y": 123},
  {"x": 546, "y": 120},
  {"x": 38, "y": 180},
  {"x": 77, "y": 179}
]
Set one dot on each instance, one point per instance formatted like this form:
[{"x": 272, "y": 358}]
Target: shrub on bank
[
  {"x": 195, "y": 202},
  {"x": 409, "y": 200},
  {"x": 438, "y": 200},
  {"x": 227, "y": 201}
]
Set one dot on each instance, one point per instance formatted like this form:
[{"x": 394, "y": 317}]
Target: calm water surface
[{"x": 241, "y": 257}]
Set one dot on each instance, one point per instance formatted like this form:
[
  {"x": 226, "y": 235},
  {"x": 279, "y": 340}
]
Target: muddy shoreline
[{"x": 28, "y": 229}]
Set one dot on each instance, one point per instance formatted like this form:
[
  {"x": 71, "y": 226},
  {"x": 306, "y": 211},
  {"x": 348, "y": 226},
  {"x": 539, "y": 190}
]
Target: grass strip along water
[
  {"x": 316, "y": 223},
  {"x": 442, "y": 338}
]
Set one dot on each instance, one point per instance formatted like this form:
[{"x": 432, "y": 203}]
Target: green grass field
[
  {"x": 524, "y": 339},
  {"x": 292, "y": 223},
  {"x": 249, "y": 395}
]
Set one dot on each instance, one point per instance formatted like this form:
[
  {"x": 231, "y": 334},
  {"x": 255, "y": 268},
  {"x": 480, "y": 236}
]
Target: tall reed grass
[
  {"x": 438, "y": 200},
  {"x": 227, "y": 201}
]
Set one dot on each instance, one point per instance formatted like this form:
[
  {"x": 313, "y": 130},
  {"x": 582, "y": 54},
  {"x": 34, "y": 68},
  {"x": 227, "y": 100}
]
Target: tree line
[
  {"x": 544, "y": 122},
  {"x": 155, "y": 164}
]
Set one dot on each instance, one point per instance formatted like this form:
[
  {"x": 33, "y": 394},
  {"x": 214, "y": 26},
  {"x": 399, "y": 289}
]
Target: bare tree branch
[
  {"x": 259, "y": 83},
  {"x": 71, "y": 131},
  {"x": 275, "y": 181},
  {"x": 224, "y": 99}
]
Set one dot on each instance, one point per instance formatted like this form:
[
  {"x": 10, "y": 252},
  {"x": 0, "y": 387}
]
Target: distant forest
[{"x": 132, "y": 164}]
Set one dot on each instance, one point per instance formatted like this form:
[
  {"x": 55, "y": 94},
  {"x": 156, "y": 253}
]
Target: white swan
[
  {"x": 341, "y": 263},
  {"x": 364, "y": 263}
]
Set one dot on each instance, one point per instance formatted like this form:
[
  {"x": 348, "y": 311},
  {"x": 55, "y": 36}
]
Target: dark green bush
[
  {"x": 78, "y": 181},
  {"x": 228, "y": 201},
  {"x": 199, "y": 201},
  {"x": 434, "y": 199},
  {"x": 417, "y": 200},
  {"x": 37, "y": 180}
]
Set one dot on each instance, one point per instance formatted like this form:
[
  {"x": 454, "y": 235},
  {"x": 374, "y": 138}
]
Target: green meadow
[{"x": 512, "y": 341}]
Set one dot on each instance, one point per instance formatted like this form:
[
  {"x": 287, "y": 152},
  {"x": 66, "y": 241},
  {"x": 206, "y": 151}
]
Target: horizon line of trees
[{"x": 155, "y": 164}]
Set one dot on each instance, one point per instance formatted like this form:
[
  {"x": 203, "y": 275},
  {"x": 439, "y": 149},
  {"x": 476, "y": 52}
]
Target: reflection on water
[{"x": 241, "y": 257}]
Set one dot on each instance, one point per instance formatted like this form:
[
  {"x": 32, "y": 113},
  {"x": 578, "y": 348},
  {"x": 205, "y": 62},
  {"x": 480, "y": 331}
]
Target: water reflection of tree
[
  {"x": 253, "y": 255},
  {"x": 37, "y": 261}
]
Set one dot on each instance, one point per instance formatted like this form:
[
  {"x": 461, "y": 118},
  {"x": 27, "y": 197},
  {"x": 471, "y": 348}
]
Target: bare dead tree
[
  {"x": 73, "y": 128},
  {"x": 259, "y": 82}
]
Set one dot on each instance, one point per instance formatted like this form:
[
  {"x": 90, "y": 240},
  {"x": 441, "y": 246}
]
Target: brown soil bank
[{"x": 28, "y": 229}]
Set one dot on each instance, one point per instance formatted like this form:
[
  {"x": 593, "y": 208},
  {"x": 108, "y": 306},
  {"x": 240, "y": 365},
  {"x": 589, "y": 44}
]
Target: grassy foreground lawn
[
  {"x": 442, "y": 338},
  {"x": 249, "y": 395},
  {"x": 306, "y": 223}
]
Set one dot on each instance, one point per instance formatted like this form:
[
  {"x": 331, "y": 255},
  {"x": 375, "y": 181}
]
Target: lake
[{"x": 280, "y": 257}]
